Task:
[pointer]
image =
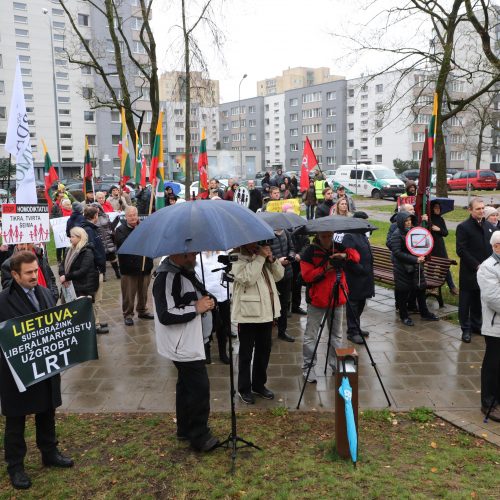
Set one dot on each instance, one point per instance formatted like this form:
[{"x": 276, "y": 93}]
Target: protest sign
[
  {"x": 25, "y": 224},
  {"x": 277, "y": 205},
  {"x": 419, "y": 241},
  {"x": 59, "y": 229},
  {"x": 41, "y": 344}
]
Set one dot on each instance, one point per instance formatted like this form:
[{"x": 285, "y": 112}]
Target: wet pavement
[{"x": 425, "y": 365}]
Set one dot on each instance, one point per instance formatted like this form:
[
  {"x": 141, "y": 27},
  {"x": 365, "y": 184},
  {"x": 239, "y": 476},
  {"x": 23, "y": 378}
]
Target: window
[
  {"x": 3, "y": 137},
  {"x": 379, "y": 88},
  {"x": 423, "y": 119},
  {"x": 63, "y": 99},
  {"x": 350, "y": 93},
  {"x": 317, "y": 144},
  {"x": 252, "y": 137},
  {"x": 294, "y": 102},
  {"x": 251, "y": 109},
  {"x": 89, "y": 116},
  {"x": 27, "y": 85},
  {"x": 457, "y": 139},
  {"x": 115, "y": 116},
  {"x": 64, "y": 111},
  {"x": 3, "y": 112},
  {"x": 61, "y": 62},
  {"x": 311, "y": 113},
  {"x": 419, "y": 137},
  {"x": 62, "y": 75},
  {"x": 137, "y": 23},
  {"x": 137, "y": 48},
  {"x": 311, "y": 97},
  {"x": 331, "y": 160},
  {"x": 146, "y": 138},
  {"x": 350, "y": 110},
  {"x": 115, "y": 139},
  {"x": 294, "y": 117},
  {"x": 294, "y": 147},
  {"x": 331, "y": 113},
  {"x": 67, "y": 147},
  {"x": 331, "y": 96},
  {"x": 294, "y": 132},
  {"x": 417, "y": 155},
  {"x": 379, "y": 123},
  {"x": 225, "y": 114},
  {"x": 378, "y": 141},
  {"x": 87, "y": 92},
  {"x": 83, "y": 19},
  {"x": 266, "y": 107},
  {"x": 22, "y": 46},
  {"x": 311, "y": 129},
  {"x": 457, "y": 155},
  {"x": 58, "y": 37},
  {"x": 58, "y": 25},
  {"x": 178, "y": 112},
  {"x": 252, "y": 123},
  {"x": 378, "y": 158},
  {"x": 19, "y": 6},
  {"x": 350, "y": 143},
  {"x": 350, "y": 126},
  {"x": 331, "y": 144},
  {"x": 331, "y": 128},
  {"x": 65, "y": 136},
  {"x": 86, "y": 70},
  {"x": 58, "y": 12},
  {"x": 62, "y": 87},
  {"x": 225, "y": 139},
  {"x": 455, "y": 121},
  {"x": 91, "y": 139},
  {"x": 179, "y": 137},
  {"x": 65, "y": 124},
  {"x": 20, "y": 19},
  {"x": 23, "y": 59},
  {"x": 235, "y": 124},
  {"x": 457, "y": 86},
  {"x": 26, "y": 71}
]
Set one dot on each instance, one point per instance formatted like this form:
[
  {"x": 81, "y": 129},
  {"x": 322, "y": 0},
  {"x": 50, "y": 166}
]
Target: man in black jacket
[
  {"x": 473, "y": 247},
  {"x": 324, "y": 208},
  {"x": 25, "y": 296},
  {"x": 255, "y": 197},
  {"x": 136, "y": 272}
]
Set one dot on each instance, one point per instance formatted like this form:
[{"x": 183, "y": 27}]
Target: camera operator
[
  {"x": 321, "y": 264},
  {"x": 282, "y": 249},
  {"x": 255, "y": 305}
]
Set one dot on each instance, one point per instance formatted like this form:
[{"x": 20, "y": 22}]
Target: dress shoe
[
  {"x": 129, "y": 321},
  {"x": 57, "y": 460},
  {"x": 284, "y": 336},
  {"x": 247, "y": 398},
  {"x": 224, "y": 359},
  {"x": 210, "y": 444},
  {"x": 298, "y": 310},
  {"x": 364, "y": 333},
  {"x": 429, "y": 317},
  {"x": 311, "y": 379},
  {"x": 355, "y": 339},
  {"x": 494, "y": 414},
  {"x": 102, "y": 329},
  {"x": 466, "y": 337},
  {"x": 408, "y": 322},
  {"x": 146, "y": 316},
  {"x": 20, "y": 480},
  {"x": 264, "y": 393}
]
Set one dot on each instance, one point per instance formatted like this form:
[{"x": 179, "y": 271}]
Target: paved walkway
[{"x": 426, "y": 365}]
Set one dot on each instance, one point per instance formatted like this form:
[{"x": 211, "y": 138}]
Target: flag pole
[
  {"x": 153, "y": 189},
  {"x": 8, "y": 179}
]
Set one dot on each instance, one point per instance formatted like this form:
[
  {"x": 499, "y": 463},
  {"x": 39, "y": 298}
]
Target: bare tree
[
  {"x": 451, "y": 27},
  {"x": 128, "y": 64}
]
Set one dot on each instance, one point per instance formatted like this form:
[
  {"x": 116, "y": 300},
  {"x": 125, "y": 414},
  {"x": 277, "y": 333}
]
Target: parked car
[
  {"x": 412, "y": 174},
  {"x": 498, "y": 179},
  {"x": 474, "y": 179},
  {"x": 434, "y": 178}
]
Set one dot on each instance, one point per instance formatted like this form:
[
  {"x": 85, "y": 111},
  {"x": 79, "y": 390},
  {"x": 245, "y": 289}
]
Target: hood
[
  {"x": 393, "y": 217},
  {"x": 400, "y": 220},
  {"x": 77, "y": 207}
]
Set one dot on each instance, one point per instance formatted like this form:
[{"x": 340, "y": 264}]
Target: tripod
[
  {"x": 233, "y": 439},
  {"x": 329, "y": 313}
]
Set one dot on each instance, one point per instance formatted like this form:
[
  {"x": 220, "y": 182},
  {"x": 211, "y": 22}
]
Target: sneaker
[
  {"x": 311, "y": 379},
  {"x": 264, "y": 393},
  {"x": 210, "y": 444},
  {"x": 298, "y": 310},
  {"x": 247, "y": 398},
  {"x": 408, "y": 322},
  {"x": 129, "y": 321}
]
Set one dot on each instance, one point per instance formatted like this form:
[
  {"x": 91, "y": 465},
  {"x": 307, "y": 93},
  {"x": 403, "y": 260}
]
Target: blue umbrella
[
  {"x": 176, "y": 188},
  {"x": 446, "y": 204},
  {"x": 345, "y": 390},
  {"x": 196, "y": 226}
]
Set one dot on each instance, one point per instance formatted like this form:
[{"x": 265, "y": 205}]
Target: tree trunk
[{"x": 187, "y": 124}]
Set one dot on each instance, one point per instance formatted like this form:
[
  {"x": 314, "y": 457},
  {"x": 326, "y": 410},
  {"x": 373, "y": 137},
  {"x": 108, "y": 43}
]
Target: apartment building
[
  {"x": 274, "y": 131},
  {"x": 204, "y": 91},
  {"x": 57, "y": 92}
]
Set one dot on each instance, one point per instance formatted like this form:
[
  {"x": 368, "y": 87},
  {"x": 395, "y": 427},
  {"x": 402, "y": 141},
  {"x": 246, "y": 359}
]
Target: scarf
[
  {"x": 496, "y": 256},
  {"x": 71, "y": 255}
]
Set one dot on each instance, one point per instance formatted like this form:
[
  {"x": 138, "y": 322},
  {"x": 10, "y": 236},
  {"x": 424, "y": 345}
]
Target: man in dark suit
[
  {"x": 473, "y": 248},
  {"x": 25, "y": 296}
]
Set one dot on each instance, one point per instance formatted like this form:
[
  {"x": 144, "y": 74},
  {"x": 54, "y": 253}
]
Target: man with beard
[
  {"x": 183, "y": 319},
  {"x": 255, "y": 197}
]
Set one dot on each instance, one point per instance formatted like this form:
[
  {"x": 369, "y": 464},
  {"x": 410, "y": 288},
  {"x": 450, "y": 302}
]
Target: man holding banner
[{"x": 25, "y": 296}]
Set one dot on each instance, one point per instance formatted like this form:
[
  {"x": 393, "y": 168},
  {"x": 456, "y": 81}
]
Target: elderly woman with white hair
[
  {"x": 488, "y": 278},
  {"x": 491, "y": 215}
]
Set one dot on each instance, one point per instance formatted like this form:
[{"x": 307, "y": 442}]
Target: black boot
[
  {"x": 208, "y": 356},
  {"x": 116, "y": 268},
  {"x": 221, "y": 341}
]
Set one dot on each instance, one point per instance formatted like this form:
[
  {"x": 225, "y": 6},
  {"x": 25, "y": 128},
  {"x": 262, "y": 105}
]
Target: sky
[{"x": 264, "y": 37}]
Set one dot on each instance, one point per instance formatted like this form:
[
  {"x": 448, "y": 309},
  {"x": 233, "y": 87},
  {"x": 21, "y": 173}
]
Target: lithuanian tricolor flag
[
  {"x": 140, "y": 163},
  {"x": 203, "y": 161},
  {"x": 50, "y": 174},
  {"x": 156, "y": 171},
  {"x": 432, "y": 127},
  {"x": 87, "y": 171},
  {"x": 123, "y": 154}
]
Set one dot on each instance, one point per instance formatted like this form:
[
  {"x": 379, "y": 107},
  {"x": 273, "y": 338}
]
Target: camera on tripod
[
  {"x": 227, "y": 260},
  {"x": 336, "y": 263}
]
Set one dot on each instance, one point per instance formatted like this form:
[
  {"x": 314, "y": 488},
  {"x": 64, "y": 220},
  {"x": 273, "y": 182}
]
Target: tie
[{"x": 31, "y": 295}]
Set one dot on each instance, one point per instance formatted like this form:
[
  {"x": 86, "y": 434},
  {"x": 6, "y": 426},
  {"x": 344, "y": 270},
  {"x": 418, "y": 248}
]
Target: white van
[{"x": 377, "y": 181}]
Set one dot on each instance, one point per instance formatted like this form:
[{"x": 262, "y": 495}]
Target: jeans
[
  {"x": 192, "y": 401},
  {"x": 490, "y": 372},
  {"x": 255, "y": 338},
  {"x": 310, "y": 212},
  {"x": 353, "y": 315},
  {"x": 469, "y": 310},
  {"x": 284, "y": 288},
  {"x": 314, "y": 318},
  {"x": 296, "y": 285}
]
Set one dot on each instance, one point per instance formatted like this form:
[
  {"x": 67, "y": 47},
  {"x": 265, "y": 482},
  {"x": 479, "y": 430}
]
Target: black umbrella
[
  {"x": 337, "y": 224},
  {"x": 280, "y": 220}
]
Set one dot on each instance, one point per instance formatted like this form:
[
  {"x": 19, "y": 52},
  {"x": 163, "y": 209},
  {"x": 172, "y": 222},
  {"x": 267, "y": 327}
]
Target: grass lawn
[
  {"x": 457, "y": 215},
  {"x": 137, "y": 456}
]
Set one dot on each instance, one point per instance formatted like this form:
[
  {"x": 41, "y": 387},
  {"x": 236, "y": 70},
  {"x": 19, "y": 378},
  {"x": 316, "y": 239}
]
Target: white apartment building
[{"x": 274, "y": 130}]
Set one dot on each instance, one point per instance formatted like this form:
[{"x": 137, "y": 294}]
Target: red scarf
[{"x": 41, "y": 277}]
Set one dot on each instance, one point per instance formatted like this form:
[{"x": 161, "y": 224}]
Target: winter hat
[
  {"x": 77, "y": 207},
  {"x": 360, "y": 215},
  {"x": 489, "y": 211}
]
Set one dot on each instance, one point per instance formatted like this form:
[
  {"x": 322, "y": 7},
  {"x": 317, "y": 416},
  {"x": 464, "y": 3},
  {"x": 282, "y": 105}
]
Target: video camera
[{"x": 226, "y": 260}]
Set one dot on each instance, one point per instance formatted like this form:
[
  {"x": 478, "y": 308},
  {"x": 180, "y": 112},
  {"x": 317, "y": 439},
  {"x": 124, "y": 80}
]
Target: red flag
[
  {"x": 309, "y": 162},
  {"x": 423, "y": 203},
  {"x": 203, "y": 161}
]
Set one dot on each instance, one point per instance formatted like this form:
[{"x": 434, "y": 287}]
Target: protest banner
[
  {"x": 41, "y": 344},
  {"x": 59, "y": 229},
  {"x": 277, "y": 205},
  {"x": 25, "y": 224}
]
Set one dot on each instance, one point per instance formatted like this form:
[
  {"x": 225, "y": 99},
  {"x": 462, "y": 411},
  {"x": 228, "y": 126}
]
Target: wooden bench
[{"x": 435, "y": 270}]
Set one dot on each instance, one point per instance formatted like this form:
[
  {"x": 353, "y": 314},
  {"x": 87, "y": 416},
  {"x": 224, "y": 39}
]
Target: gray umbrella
[
  {"x": 279, "y": 220},
  {"x": 337, "y": 224}
]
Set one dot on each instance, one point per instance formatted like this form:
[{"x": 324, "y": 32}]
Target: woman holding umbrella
[{"x": 255, "y": 306}]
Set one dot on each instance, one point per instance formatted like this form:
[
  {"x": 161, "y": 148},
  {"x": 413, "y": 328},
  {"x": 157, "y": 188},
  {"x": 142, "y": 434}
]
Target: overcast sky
[{"x": 264, "y": 37}]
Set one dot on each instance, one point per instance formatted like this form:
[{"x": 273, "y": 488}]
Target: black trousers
[
  {"x": 15, "y": 445},
  {"x": 284, "y": 288},
  {"x": 223, "y": 329},
  {"x": 402, "y": 302},
  {"x": 192, "y": 403},
  {"x": 255, "y": 338},
  {"x": 490, "y": 372},
  {"x": 353, "y": 315},
  {"x": 296, "y": 285},
  {"x": 469, "y": 310}
]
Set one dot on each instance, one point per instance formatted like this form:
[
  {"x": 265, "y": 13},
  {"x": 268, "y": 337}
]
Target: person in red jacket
[{"x": 320, "y": 265}]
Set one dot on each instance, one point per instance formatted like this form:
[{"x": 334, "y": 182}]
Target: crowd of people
[{"x": 268, "y": 277}]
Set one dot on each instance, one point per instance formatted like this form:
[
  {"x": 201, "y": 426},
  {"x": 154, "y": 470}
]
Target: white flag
[{"x": 18, "y": 144}]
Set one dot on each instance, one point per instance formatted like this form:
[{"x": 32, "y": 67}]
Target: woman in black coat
[
  {"x": 408, "y": 272},
  {"x": 79, "y": 265},
  {"x": 439, "y": 231}
]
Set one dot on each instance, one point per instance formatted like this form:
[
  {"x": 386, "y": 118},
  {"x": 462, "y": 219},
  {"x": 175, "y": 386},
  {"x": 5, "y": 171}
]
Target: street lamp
[
  {"x": 56, "y": 110},
  {"x": 239, "y": 113}
]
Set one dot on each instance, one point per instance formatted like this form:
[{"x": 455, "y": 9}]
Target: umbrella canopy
[
  {"x": 196, "y": 226},
  {"x": 345, "y": 390},
  {"x": 337, "y": 224},
  {"x": 176, "y": 188},
  {"x": 446, "y": 204},
  {"x": 279, "y": 220}
]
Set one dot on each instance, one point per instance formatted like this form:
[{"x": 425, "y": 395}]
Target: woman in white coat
[
  {"x": 488, "y": 278},
  {"x": 255, "y": 306}
]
